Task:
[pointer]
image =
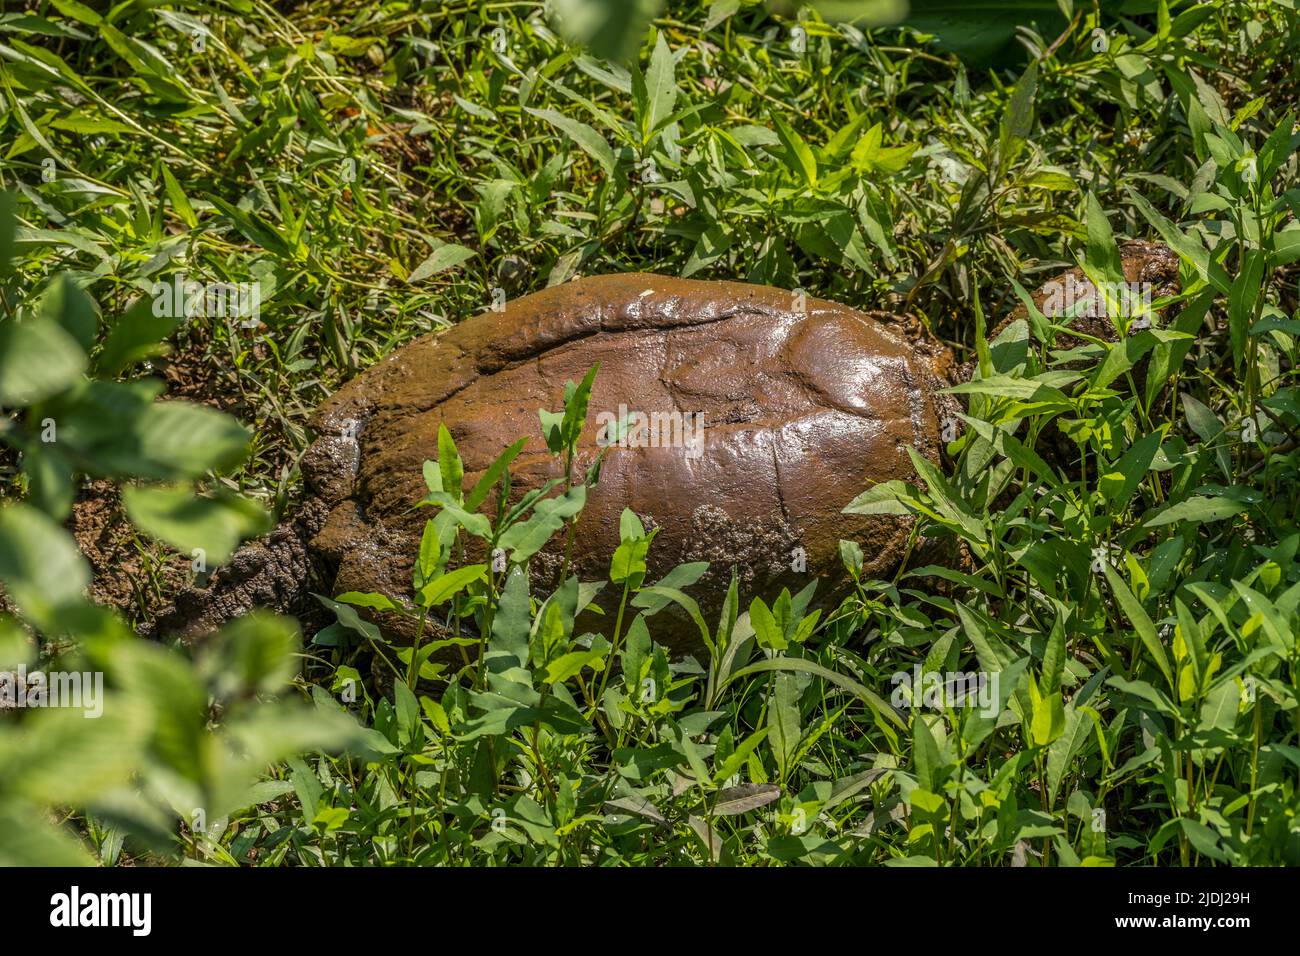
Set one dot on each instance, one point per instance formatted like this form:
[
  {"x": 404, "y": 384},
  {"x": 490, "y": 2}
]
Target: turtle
[{"x": 798, "y": 403}]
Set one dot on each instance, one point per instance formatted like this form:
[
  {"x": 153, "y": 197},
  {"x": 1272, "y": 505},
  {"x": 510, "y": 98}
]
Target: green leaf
[
  {"x": 351, "y": 620},
  {"x": 630, "y": 527},
  {"x": 180, "y": 202},
  {"x": 1047, "y": 721},
  {"x": 490, "y": 477},
  {"x": 587, "y": 139},
  {"x": 177, "y": 702},
  {"x": 680, "y": 577},
  {"x": 368, "y": 599},
  {"x": 8, "y": 227},
  {"x": 798, "y": 156},
  {"x": 1134, "y": 611},
  {"x": 1189, "y": 249},
  {"x": 473, "y": 522},
  {"x": 1102, "y": 252},
  {"x": 450, "y": 466},
  {"x": 1131, "y": 468},
  {"x": 1245, "y": 290},
  {"x": 187, "y": 521},
  {"x": 513, "y": 620},
  {"x": 38, "y": 358},
  {"x": 567, "y": 665},
  {"x": 253, "y": 228},
  {"x": 629, "y": 562},
  {"x": 42, "y": 570},
  {"x": 28, "y": 839},
  {"x": 50, "y": 480},
  {"x": 661, "y": 89},
  {"x": 1219, "y": 709},
  {"x": 137, "y": 334},
  {"x": 258, "y": 653},
  {"x": 1054, "y": 657},
  {"x": 1064, "y": 749},
  {"x": 446, "y": 256},
  {"x": 526, "y": 538},
  {"x": 1197, "y": 509},
  {"x": 175, "y": 440},
  {"x": 432, "y": 556},
  {"x": 886, "y": 498},
  {"x": 65, "y": 303},
  {"x": 612, "y": 31},
  {"x": 552, "y": 430},
  {"x": 783, "y": 724},
  {"x": 576, "y": 400},
  {"x": 442, "y": 589},
  {"x": 687, "y": 603},
  {"x": 745, "y": 797},
  {"x": 1006, "y": 386},
  {"x": 1018, "y": 120},
  {"x": 766, "y": 631}
]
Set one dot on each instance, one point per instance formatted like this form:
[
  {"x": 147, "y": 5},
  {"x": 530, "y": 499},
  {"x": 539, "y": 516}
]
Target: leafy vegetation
[{"x": 1127, "y": 509}]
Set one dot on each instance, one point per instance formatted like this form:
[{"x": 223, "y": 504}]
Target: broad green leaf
[
  {"x": 567, "y": 665},
  {"x": 258, "y": 653},
  {"x": 766, "y": 630},
  {"x": 449, "y": 463},
  {"x": 1137, "y": 616},
  {"x": 176, "y": 195},
  {"x": 629, "y": 563},
  {"x": 40, "y": 566},
  {"x": 188, "y": 521},
  {"x": 38, "y": 358},
  {"x": 1102, "y": 252},
  {"x": 1064, "y": 749},
  {"x": 1197, "y": 509},
  {"x": 442, "y": 589},
  {"x": 886, "y": 498},
  {"x": 661, "y": 88},
  {"x": 444, "y": 257},
  {"x": 783, "y": 724},
  {"x": 138, "y": 334},
  {"x": 798, "y": 155},
  {"x": 1018, "y": 120},
  {"x": 484, "y": 485},
  {"x": 587, "y": 139},
  {"x": 612, "y": 31},
  {"x": 526, "y": 538},
  {"x": 926, "y": 758},
  {"x": 745, "y": 797},
  {"x": 368, "y": 599},
  {"x": 513, "y": 619},
  {"x": 66, "y": 304}
]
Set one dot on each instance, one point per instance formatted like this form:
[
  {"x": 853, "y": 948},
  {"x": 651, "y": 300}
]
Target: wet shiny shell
[{"x": 804, "y": 404}]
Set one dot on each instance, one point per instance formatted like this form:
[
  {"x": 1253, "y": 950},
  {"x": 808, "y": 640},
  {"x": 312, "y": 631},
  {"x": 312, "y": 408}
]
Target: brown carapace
[{"x": 767, "y": 412}]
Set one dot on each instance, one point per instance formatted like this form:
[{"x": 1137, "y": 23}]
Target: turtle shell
[{"x": 801, "y": 405}]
